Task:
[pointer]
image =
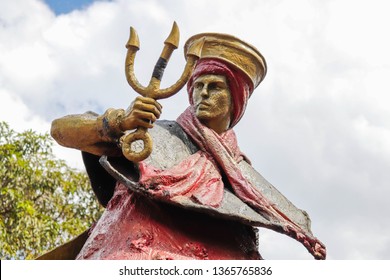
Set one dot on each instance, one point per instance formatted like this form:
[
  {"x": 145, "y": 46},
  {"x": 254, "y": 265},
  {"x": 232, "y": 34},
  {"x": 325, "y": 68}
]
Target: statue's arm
[
  {"x": 86, "y": 132},
  {"x": 99, "y": 134}
]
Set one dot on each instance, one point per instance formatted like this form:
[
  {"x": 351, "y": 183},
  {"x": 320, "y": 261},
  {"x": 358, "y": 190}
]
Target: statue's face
[{"x": 212, "y": 101}]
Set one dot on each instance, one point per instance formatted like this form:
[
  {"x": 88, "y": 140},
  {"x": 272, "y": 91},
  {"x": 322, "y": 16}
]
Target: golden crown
[{"x": 230, "y": 49}]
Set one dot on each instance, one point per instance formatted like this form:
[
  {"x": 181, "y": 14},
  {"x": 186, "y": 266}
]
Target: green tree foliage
[{"x": 43, "y": 202}]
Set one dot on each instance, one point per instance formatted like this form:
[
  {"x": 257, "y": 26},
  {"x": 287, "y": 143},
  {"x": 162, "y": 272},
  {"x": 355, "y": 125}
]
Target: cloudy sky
[{"x": 318, "y": 127}]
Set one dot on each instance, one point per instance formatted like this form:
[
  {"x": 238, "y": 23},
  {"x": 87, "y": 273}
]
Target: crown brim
[{"x": 230, "y": 49}]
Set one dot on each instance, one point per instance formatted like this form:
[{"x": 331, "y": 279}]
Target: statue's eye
[
  {"x": 198, "y": 86},
  {"x": 213, "y": 86}
]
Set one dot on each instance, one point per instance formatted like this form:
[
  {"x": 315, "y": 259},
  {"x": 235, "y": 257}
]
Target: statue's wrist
[{"x": 111, "y": 124}]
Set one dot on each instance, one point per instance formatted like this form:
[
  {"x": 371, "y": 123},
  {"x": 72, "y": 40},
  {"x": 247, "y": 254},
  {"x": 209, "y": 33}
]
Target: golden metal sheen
[
  {"x": 231, "y": 50},
  {"x": 153, "y": 89}
]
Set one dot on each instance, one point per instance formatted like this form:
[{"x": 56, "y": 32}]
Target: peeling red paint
[
  {"x": 197, "y": 250},
  {"x": 139, "y": 228},
  {"x": 142, "y": 243}
]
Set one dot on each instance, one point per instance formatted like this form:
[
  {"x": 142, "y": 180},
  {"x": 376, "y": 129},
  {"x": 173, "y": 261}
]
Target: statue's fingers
[
  {"x": 148, "y": 116},
  {"x": 144, "y": 123},
  {"x": 150, "y": 101},
  {"x": 151, "y": 108}
]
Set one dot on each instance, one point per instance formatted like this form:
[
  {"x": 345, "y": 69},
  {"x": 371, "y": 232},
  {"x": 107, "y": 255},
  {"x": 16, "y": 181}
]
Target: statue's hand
[{"x": 142, "y": 112}]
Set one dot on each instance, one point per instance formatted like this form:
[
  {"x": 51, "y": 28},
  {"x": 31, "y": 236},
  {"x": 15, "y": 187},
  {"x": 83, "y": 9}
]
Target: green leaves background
[{"x": 43, "y": 202}]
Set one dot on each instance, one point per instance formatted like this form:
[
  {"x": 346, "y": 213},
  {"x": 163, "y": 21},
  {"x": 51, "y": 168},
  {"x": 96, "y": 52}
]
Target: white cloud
[
  {"x": 18, "y": 116},
  {"x": 317, "y": 127}
]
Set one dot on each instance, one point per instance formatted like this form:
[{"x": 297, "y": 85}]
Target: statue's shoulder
[
  {"x": 171, "y": 145},
  {"x": 173, "y": 131}
]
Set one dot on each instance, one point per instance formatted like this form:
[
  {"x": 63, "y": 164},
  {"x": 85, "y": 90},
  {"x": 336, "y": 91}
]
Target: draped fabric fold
[
  {"x": 195, "y": 177},
  {"x": 199, "y": 178}
]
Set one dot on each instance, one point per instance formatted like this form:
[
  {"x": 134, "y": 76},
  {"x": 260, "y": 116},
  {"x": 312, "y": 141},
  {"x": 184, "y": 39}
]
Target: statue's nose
[{"x": 204, "y": 93}]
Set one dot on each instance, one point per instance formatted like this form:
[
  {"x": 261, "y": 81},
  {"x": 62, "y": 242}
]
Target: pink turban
[{"x": 240, "y": 86}]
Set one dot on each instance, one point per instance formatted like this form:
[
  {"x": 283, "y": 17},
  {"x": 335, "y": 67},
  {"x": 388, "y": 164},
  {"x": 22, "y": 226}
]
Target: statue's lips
[{"x": 203, "y": 105}]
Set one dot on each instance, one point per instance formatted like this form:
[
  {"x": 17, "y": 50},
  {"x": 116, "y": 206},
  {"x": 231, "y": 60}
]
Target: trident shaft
[{"x": 153, "y": 89}]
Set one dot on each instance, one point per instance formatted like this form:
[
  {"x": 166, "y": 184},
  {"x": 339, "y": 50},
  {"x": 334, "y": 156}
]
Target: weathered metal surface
[
  {"x": 212, "y": 182},
  {"x": 153, "y": 89},
  {"x": 136, "y": 227},
  {"x": 171, "y": 146}
]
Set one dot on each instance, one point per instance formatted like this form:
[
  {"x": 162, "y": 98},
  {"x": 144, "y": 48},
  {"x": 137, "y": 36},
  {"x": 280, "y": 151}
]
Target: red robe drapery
[{"x": 199, "y": 177}]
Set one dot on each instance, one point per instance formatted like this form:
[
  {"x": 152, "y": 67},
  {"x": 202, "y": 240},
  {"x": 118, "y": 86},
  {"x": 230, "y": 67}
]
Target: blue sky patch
[{"x": 66, "y": 6}]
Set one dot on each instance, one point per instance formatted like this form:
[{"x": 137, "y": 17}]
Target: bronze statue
[{"x": 194, "y": 195}]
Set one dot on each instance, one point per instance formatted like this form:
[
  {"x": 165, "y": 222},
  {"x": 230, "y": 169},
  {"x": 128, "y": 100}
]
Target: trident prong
[
  {"x": 133, "y": 39},
  {"x": 153, "y": 89}
]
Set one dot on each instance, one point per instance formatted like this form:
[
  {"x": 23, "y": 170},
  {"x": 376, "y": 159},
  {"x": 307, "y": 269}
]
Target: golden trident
[{"x": 153, "y": 89}]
